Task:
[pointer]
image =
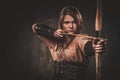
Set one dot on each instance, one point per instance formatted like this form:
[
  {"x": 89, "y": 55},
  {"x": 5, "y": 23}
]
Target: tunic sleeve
[{"x": 85, "y": 45}]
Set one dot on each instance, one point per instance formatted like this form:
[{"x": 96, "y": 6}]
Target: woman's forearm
[{"x": 44, "y": 30}]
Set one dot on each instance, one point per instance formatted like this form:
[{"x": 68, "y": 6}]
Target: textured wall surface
[{"x": 24, "y": 57}]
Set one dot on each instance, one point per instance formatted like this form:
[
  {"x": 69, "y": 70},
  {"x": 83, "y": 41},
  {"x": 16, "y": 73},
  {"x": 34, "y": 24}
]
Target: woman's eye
[{"x": 67, "y": 22}]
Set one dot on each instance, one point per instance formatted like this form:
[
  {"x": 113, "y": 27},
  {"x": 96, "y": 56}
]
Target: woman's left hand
[{"x": 99, "y": 45}]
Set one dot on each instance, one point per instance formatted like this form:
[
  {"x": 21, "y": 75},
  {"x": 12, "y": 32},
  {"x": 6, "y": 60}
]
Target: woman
[{"x": 69, "y": 48}]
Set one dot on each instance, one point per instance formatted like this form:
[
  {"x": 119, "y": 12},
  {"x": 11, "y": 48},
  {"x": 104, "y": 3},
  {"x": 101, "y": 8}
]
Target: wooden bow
[{"x": 98, "y": 28}]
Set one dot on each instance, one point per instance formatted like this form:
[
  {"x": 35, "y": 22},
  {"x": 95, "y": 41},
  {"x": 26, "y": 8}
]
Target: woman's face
[{"x": 69, "y": 24}]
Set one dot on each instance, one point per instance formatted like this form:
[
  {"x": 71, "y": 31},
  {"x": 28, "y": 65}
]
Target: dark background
[{"x": 24, "y": 57}]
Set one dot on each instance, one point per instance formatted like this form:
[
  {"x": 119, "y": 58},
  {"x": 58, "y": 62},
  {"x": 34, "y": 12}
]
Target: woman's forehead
[{"x": 68, "y": 18}]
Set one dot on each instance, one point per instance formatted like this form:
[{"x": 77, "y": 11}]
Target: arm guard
[
  {"x": 89, "y": 49},
  {"x": 47, "y": 32},
  {"x": 44, "y": 30}
]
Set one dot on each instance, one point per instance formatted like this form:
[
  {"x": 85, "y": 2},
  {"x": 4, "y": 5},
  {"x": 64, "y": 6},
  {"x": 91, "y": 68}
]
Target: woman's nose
[{"x": 71, "y": 25}]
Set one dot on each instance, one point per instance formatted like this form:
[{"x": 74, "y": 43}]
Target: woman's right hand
[{"x": 59, "y": 33}]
